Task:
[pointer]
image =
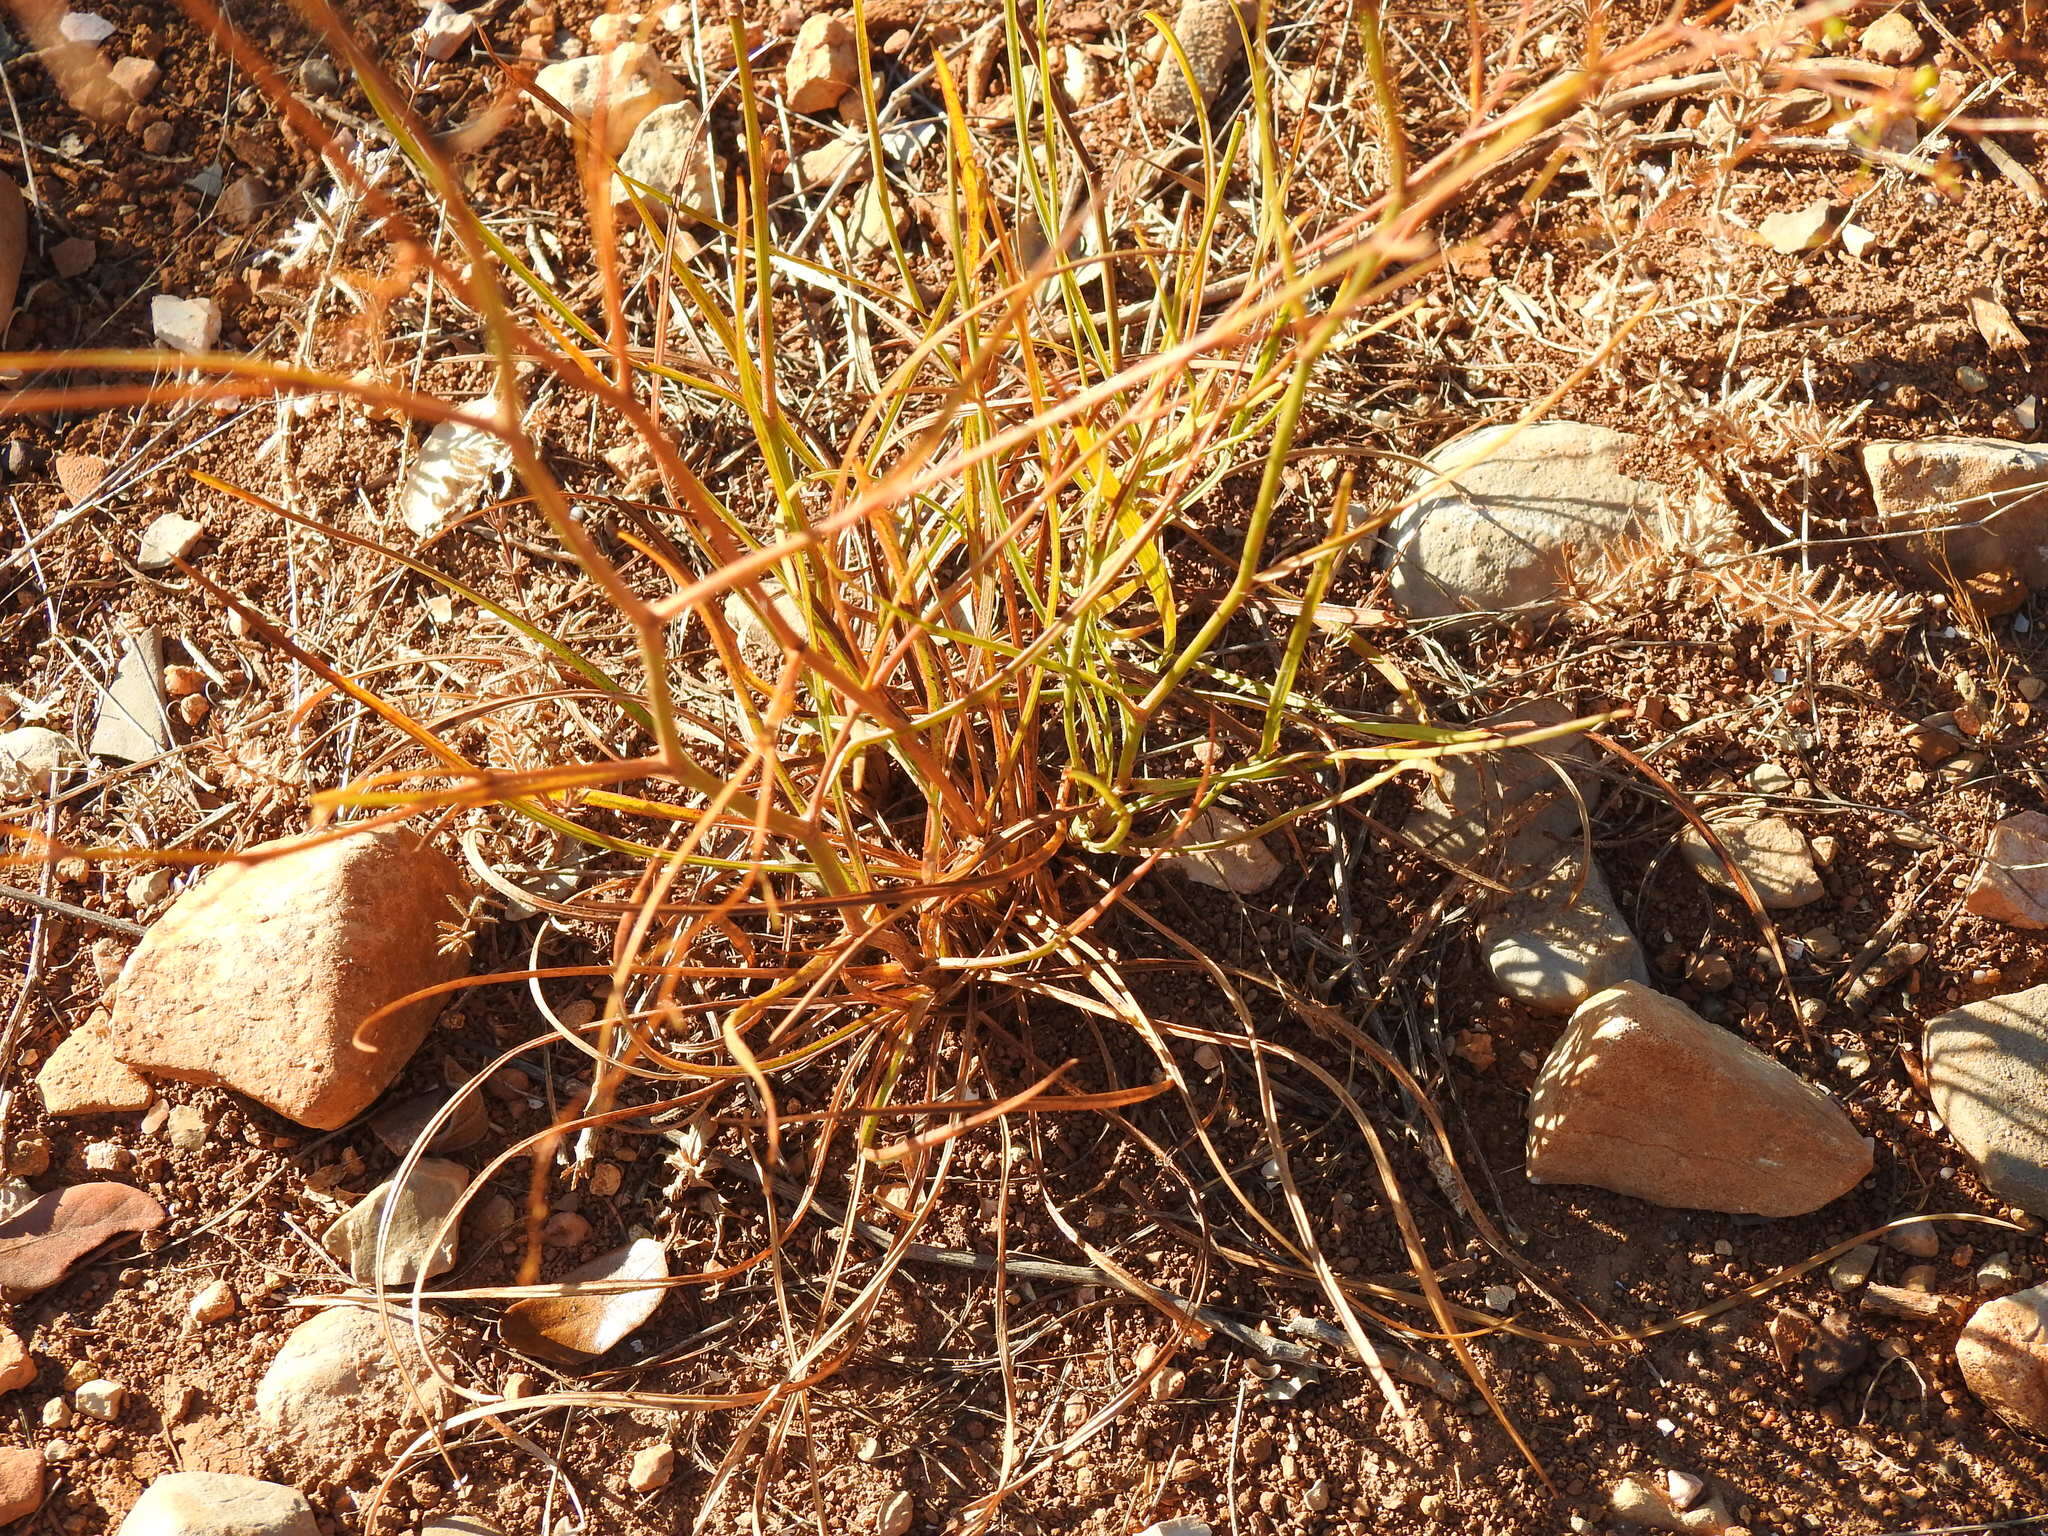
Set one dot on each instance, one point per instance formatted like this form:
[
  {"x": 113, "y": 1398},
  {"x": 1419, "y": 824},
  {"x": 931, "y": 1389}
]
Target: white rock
[
  {"x": 132, "y": 725},
  {"x": 1245, "y": 865},
  {"x": 1892, "y": 39},
  {"x": 1501, "y": 532},
  {"x": 1800, "y": 229},
  {"x": 628, "y": 81},
  {"x": 1769, "y": 850},
  {"x": 671, "y": 153},
  {"x": 333, "y": 1393},
  {"x": 1988, "y": 494},
  {"x": 443, "y": 31},
  {"x": 894, "y": 1515},
  {"x": 653, "y": 1466},
  {"x": 84, "y": 27},
  {"x": 102, "y": 1400},
  {"x": 35, "y": 757},
  {"x": 219, "y": 1504},
  {"x": 455, "y": 463},
  {"x": 150, "y": 887},
  {"x": 410, "y": 1216},
  {"x": 168, "y": 537},
  {"x": 185, "y": 325},
  {"x": 1857, "y": 240}
]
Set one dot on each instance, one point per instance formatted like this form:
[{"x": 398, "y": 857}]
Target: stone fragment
[
  {"x": 460, "y": 1523},
  {"x": 1892, "y": 39},
  {"x": 218, "y": 1504},
  {"x": 822, "y": 64},
  {"x": 73, "y": 257},
  {"x": 131, "y": 724},
  {"x": 1562, "y": 939},
  {"x": 190, "y": 326},
  {"x": 84, "y": 27},
  {"x": 444, "y": 30},
  {"x": 17, "y": 1366},
  {"x": 1769, "y": 850},
  {"x": 1212, "y": 35},
  {"x": 1851, "y": 1272},
  {"x": 185, "y": 1128},
  {"x": 623, "y": 83},
  {"x": 79, "y": 475},
  {"x": 1799, "y": 229},
  {"x": 1520, "y": 507},
  {"x": 168, "y": 538},
  {"x": 84, "y": 1077},
  {"x": 42, "y": 1241},
  {"x": 2003, "y": 1354},
  {"x": 1642, "y": 1502},
  {"x": 214, "y": 1304},
  {"x": 136, "y": 78},
  {"x": 1243, "y": 866},
  {"x": 2011, "y": 885},
  {"x": 1919, "y": 1240},
  {"x": 242, "y": 200},
  {"x": 100, "y": 1399},
  {"x": 21, "y": 1483},
  {"x": 1825, "y": 1356},
  {"x": 456, "y": 461},
  {"x": 1987, "y": 1072},
  {"x": 894, "y": 1514},
  {"x": 409, "y": 1216},
  {"x": 264, "y": 977},
  {"x": 334, "y": 1392},
  {"x": 1988, "y": 495},
  {"x": 671, "y": 153},
  {"x": 1644, "y": 1097},
  {"x": 33, "y": 757},
  {"x": 653, "y": 1466}
]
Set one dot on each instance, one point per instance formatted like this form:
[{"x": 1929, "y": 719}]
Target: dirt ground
[{"x": 1762, "y": 370}]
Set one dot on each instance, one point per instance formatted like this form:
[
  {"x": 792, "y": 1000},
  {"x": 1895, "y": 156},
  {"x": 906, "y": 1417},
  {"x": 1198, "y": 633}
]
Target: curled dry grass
[{"x": 865, "y": 855}]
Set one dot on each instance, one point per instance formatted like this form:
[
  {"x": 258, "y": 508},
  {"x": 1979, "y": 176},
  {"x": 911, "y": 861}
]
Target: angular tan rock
[
  {"x": 1987, "y": 1072},
  {"x": 417, "y": 1209},
  {"x": 1990, "y": 495},
  {"x": 822, "y": 64},
  {"x": 1210, "y": 34},
  {"x": 1520, "y": 506},
  {"x": 1770, "y": 850},
  {"x": 2003, "y": 1353},
  {"x": 670, "y": 152},
  {"x": 21, "y": 1483},
  {"x": 263, "y": 977},
  {"x": 84, "y": 1077},
  {"x": 218, "y": 1504},
  {"x": 2012, "y": 881},
  {"x": 334, "y": 1393},
  {"x": 1244, "y": 865},
  {"x": 17, "y": 1365},
  {"x": 1644, "y": 1097},
  {"x": 626, "y": 83}
]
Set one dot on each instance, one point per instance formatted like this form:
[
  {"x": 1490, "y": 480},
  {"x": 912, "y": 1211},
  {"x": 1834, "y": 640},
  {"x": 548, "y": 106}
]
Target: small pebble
[
  {"x": 653, "y": 1466},
  {"x": 565, "y": 1229},
  {"x": 1851, "y": 1272},
  {"x": 1919, "y": 1240},
  {"x": 57, "y": 1414},
  {"x": 1501, "y": 1298},
  {"x": 216, "y": 1302},
  {"x": 100, "y": 1399},
  {"x": 107, "y": 1157}
]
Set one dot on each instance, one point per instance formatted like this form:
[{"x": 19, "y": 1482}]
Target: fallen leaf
[
  {"x": 39, "y": 1245},
  {"x": 1994, "y": 322},
  {"x": 574, "y": 1330}
]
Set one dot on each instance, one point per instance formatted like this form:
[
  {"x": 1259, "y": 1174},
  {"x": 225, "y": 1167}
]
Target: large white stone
[
  {"x": 334, "y": 1393},
  {"x": 219, "y": 1504},
  {"x": 1990, "y": 495},
  {"x": 1521, "y": 504}
]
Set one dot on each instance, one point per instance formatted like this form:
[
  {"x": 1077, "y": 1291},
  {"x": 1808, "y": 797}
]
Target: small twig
[{"x": 69, "y": 909}]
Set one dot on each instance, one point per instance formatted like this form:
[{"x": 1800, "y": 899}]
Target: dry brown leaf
[
  {"x": 574, "y": 1330},
  {"x": 1995, "y": 323}
]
